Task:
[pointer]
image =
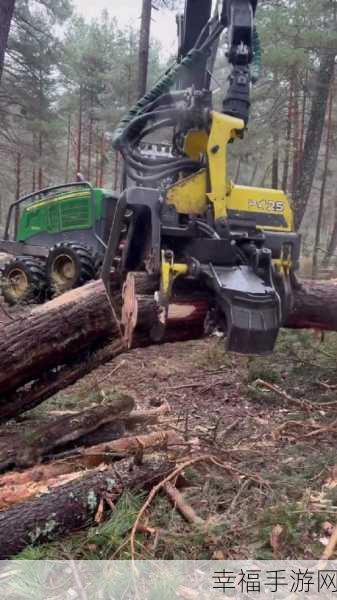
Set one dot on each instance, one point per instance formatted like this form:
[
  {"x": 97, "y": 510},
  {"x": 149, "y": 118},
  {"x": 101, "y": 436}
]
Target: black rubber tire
[
  {"x": 98, "y": 261},
  {"x": 34, "y": 271},
  {"x": 83, "y": 265}
]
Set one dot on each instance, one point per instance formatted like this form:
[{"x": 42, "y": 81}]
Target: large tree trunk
[
  {"x": 67, "y": 430},
  {"x": 62, "y": 334},
  {"x": 6, "y": 14},
  {"x": 332, "y": 245},
  {"x": 315, "y": 306},
  {"x": 69, "y": 507},
  {"x": 323, "y": 186},
  {"x": 307, "y": 168}
]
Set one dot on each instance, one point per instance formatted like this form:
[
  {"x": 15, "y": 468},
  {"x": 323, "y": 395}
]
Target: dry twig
[
  {"x": 156, "y": 490},
  {"x": 303, "y": 404},
  {"x": 180, "y": 503}
]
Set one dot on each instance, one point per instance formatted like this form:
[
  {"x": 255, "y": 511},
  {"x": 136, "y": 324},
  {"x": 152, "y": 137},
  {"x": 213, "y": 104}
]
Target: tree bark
[
  {"x": 67, "y": 430},
  {"x": 315, "y": 306},
  {"x": 66, "y": 174},
  {"x": 276, "y": 157},
  {"x": 79, "y": 133},
  {"x": 288, "y": 137},
  {"x": 307, "y": 168},
  {"x": 18, "y": 175},
  {"x": 71, "y": 507},
  {"x": 86, "y": 317},
  {"x": 90, "y": 142},
  {"x": 19, "y": 486},
  {"x": 144, "y": 44},
  {"x": 6, "y": 14},
  {"x": 296, "y": 137},
  {"x": 102, "y": 160},
  {"x": 332, "y": 245},
  {"x": 59, "y": 331},
  {"x": 40, "y": 175},
  {"x": 323, "y": 186}
]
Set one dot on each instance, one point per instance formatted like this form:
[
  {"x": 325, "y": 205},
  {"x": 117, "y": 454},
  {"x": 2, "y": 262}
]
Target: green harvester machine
[{"x": 57, "y": 238}]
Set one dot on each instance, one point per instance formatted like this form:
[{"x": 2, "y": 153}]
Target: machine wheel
[
  {"x": 24, "y": 281},
  {"x": 98, "y": 262},
  {"x": 69, "y": 265}
]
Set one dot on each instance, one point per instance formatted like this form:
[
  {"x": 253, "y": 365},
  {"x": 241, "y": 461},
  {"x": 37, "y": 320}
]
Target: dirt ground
[{"x": 271, "y": 423}]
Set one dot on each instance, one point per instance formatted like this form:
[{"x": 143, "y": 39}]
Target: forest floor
[{"x": 280, "y": 492}]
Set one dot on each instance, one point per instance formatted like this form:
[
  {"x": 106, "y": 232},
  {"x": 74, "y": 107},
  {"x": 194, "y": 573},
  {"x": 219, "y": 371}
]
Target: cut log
[
  {"x": 50, "y": 335},
  {"x": 55, "y": 380},
  {"x": 29, "y": 449},
  {"x": 88, "y": 428},
  {"x": 69, "y": 429},
  {"x": 78, "y": 322},
  {"x": 18, "y": 486},
  {"x": 98, "y": 454},
  {"x": 142, "y": 314},
  {"x": 117, "y": 428},
  {"x": 315, "y": 306},
  {"x": 70, "y": 507}
]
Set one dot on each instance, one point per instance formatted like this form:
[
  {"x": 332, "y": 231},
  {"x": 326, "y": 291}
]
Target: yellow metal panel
[
  {"x": 195, "y": 143},
  {"x": 189, "y": 195},
  {"x": 262, "y": 201},
  {"x": 224, "y": 128}
]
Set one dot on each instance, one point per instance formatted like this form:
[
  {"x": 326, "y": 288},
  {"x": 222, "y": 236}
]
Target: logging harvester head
[{"x": 180, "y": 218}]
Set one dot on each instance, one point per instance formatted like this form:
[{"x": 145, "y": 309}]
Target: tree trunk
[
  {"x": 72, "y": 506},
  {"x": 288, "y": 137},
  {"x": 18, "y": 175},
  {"x": 59, "y": 331},
  {"x": 237, "y": 170},
  {"x": 97, "y": 161},
  {"x": 307, "y": 168},
  {"x": 303, "y": 113},
  {"x": 79, "y": 133},
  {"x": 102, "y": 160},
  {"x": 86, "y": 315},
  {"x": 90, "y": 142},
  {"x": 323, "y": 186},
  {"x": 67, "y": 169},
  {"x": 296, "y": 138},
  {"x": 144, "y": 44},
  {"x": 6, "y": 14},
  {"x": 66, "y": 430},
  {"x": 315, "y": 306},
  {"x": 275, "y": 167},
  {"x": 17, "y": 486},
  {"x": 116, "y": 171},
  {"x": 332, "y": 245},
  {"x": 55, "y": 380},
  {"x": 40, "y": 180}
]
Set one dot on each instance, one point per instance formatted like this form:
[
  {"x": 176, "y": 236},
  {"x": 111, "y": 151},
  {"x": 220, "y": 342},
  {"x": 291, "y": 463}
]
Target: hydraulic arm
[{"x": 180, "y": 218}]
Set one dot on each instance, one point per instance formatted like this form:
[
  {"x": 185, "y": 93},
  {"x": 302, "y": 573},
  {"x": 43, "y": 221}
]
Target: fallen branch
[
  {"x": 155, "y": 490},
  {"x": 317, "y": 429},
  {"x": 303, "y": 404},
  {"x": 63, "y": 431},
  {"x": 15, "y": 487},
  {"x": 181, "y": 505}
]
